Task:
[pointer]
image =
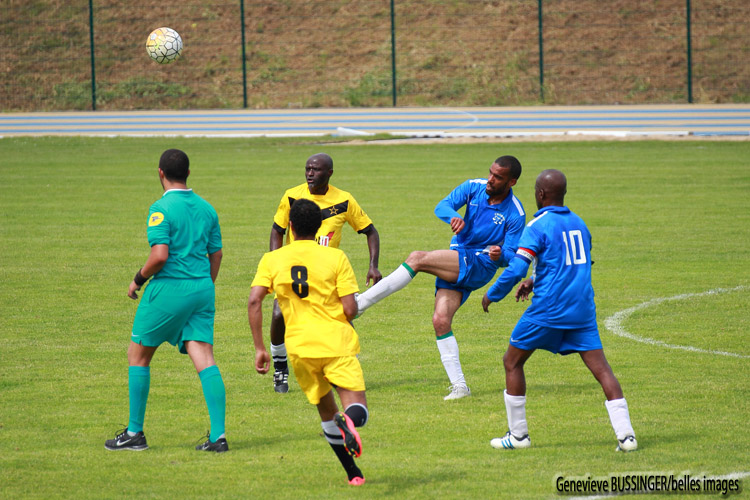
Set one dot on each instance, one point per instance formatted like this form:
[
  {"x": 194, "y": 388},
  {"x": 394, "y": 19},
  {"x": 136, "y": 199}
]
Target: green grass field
[{"x": 668, "y": 218}]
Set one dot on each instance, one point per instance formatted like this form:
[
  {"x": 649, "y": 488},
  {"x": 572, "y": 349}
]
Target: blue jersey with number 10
[{"x": 558, "y": 244}]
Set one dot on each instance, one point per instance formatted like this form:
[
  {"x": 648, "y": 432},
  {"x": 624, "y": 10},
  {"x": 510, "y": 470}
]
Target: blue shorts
[
  {"x": 476, "y": 269},
  {"x": 174, "y": 311},
  {"x": 529, "y": 336}
]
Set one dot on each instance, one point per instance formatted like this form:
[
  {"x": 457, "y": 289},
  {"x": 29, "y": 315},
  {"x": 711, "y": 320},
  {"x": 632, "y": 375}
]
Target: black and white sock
[
  {"x": 278, "y": 353},
  {"x": 358, "y": 413},
  {"x": 333, "y": 436}
]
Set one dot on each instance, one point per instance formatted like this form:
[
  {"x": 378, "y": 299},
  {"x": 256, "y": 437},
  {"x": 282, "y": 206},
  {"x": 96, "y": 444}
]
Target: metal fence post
[
  {"x": 541, "y": 54},
  {"x": 244, "y": 58},
  {"x": 393, "y": 54},
  {"x": 93, "y": 64},
  {"x": 689, "y": 54}
]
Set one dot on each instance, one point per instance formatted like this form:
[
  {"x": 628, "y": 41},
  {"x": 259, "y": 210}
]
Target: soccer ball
[{"x": 164, "y": 45}]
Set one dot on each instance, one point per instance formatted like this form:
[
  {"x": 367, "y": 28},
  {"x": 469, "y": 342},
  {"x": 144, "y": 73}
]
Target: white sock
[
  {"x": 278, "y": 352},
  {"x": 620, "y": 417},
  {"x": 332, "y": 432},
  {"x": 515, "y": 407},
  {"x": 448, "y": 348},
  {"x": 392, "y": 283}
]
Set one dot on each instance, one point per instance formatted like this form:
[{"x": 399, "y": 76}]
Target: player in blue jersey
[
  {"x": 562, "y": 315},
  {"x": 178, "y": 305},
  {"x": 485, "y": 238}
]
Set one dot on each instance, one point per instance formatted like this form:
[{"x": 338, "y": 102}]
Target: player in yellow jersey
[
  {"x": 337, "y": 208},
  {"x": 315, "y": 288}
]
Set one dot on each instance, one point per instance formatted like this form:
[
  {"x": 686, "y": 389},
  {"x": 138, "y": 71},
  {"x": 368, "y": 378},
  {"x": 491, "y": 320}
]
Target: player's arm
[
  {"x": 280, "y": 222},
  {"x": 277, "y": 237},
  {"x": 350, "y": 306},
  {"x": 373, "y": 245},
  {"x": 156, "y": 260},
  {"x": 447, "y": 209},
  {"x": 512, "y": 238},
  {"x": 214, "y": 259},
  {"x": 255, "y": 318},
  {"x": 512, "y": 274},
  {"x": 346, "y": 286}
]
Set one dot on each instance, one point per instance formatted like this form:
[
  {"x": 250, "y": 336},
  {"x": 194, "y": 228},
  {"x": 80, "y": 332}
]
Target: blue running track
[{"x": 719, "y": 120}]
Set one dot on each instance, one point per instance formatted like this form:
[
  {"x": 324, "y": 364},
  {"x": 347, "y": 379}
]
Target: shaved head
[
  {"x": 323, "y": 159},
  {"x": 551, "y": 186},
  {"x": 318, "y": 171}
]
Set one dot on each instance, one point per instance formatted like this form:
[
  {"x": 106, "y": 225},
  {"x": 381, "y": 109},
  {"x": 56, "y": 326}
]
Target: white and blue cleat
[{"x": 510, "y": 442}]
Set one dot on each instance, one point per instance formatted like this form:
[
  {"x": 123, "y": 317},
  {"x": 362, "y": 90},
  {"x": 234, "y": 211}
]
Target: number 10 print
[{"x": 574, "y": 246}]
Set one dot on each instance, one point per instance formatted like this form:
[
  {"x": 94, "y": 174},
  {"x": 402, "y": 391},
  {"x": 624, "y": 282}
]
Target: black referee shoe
[
  {"x": 219, "y": 446},
  {"x": 125, "y": 441}
]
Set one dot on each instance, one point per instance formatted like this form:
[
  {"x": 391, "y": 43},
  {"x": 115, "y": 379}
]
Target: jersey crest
[{"x": 498, "y": 218}]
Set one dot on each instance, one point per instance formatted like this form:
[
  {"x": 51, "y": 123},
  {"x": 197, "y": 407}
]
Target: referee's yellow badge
[{"x": 155, "y": 219}]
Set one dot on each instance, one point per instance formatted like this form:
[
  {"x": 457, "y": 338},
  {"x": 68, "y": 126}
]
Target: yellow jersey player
[
  {"x": 337, "y": 208},
  {"x": 315, "y": 287}
]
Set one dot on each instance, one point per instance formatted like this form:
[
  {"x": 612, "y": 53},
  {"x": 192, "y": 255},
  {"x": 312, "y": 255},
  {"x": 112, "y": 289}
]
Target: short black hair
[
  {"x": 512, "y": 163},
  {"x": 175, "y": 165},
  {"x": 305, "y": 217}
]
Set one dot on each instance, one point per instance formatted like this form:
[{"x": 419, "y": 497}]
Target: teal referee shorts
[{"x": 175, "y": 311}]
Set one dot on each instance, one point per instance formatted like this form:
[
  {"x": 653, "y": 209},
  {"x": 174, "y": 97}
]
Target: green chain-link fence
[{"x": 341, "y": 53}]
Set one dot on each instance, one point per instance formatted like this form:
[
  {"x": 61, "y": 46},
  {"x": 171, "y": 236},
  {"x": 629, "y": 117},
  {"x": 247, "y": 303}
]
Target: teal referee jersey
[
  {"x": 190, "y": 226},
  {"x": 178, "y": 304}
]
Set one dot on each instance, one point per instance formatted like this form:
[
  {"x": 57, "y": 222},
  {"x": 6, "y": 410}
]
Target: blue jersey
[
  {"x": 558, "y": 244},
  {"x": 486, "y": 225}
]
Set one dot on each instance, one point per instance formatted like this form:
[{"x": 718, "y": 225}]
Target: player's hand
[
  {"x": 374, "y": 275},
  {"x": 524, "y": 289},
  {"x": 486, "y": 303},
  {"x": 495, "y": 252},
  {"x": 457, "y": 224},
  {"x": 132, "y": 289},
  {"x": 262, "y": 361}
]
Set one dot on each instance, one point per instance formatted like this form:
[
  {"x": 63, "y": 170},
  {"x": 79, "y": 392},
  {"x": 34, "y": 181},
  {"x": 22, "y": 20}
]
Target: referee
[{"x": 179, "y": 305}]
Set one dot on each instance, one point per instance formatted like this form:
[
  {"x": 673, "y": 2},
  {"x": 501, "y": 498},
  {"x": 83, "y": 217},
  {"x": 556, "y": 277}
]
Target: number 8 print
[{"x": 299, "y": 281}]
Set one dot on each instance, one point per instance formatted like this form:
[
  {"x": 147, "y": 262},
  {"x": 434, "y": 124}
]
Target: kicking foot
[
  {"x": 627, "y": 444},
  {"x": 352, "y": 441},
  {"x": 457, "y": 392}
]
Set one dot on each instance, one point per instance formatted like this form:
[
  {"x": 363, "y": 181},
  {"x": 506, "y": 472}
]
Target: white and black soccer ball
[{"x": 164, "y": 45}]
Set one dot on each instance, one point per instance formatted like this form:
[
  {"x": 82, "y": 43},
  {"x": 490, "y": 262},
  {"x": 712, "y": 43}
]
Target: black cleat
[
  {"x": 219, "y": 446},
  {"x": 281, "y": 381},
  {"x": 124, "y": 441}
]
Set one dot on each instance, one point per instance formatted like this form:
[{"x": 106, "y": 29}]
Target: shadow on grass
[{"x": 400, "y": 485}]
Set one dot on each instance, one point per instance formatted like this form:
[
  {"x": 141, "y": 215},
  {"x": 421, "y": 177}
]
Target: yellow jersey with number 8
[{"x": 309, "y": 280}]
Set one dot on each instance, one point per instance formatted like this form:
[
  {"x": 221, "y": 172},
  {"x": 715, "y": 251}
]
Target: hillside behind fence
[{"x": 343, "y": 53}]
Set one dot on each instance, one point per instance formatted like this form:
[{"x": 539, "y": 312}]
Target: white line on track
[
  {"x": 615, "y": 322},
  {"x": 474, "y": 119}
]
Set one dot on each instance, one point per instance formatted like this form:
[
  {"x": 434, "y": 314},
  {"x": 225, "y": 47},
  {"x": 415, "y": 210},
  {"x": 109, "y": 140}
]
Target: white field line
[{"x": 615, "y": 322}]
